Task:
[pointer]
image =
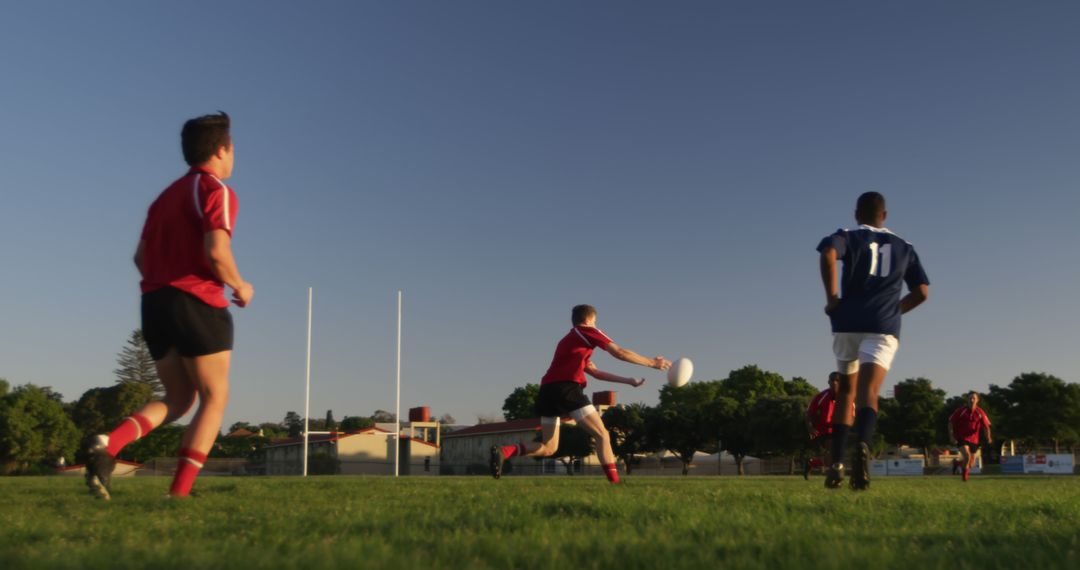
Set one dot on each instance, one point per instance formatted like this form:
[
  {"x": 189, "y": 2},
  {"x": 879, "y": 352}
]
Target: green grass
[{"x": 550, "y": 522}]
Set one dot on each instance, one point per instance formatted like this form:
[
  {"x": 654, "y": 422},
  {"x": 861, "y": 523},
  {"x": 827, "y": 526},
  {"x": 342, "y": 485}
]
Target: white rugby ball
[{"x": 680, "y": 372}]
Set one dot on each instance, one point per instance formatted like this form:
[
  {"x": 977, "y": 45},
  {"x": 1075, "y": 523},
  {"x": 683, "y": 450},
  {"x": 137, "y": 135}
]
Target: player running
[
  {"x": 964, "y": 427},
  {"x": 185, "y": 259},
  {"x": 562, "y": 392},
  {"x": 819, "y": 419},
  {"x": 864, "y": 309}
]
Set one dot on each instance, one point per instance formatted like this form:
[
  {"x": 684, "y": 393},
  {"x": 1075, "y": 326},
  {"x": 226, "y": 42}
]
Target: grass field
[{"x": 550, "y": 522}]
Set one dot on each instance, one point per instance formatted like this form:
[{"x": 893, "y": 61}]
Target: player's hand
[
  {"x": 831, "y": 305},
  {"x": 635, "y": 382},
  {"x": 242, "y": 295},
  {"x": 814, "y": 433},
  {"x": 661, "y": 363}
]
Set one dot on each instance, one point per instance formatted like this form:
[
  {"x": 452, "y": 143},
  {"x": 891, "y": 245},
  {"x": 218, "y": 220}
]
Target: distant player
[
  {"x": 864, "y": 308},
  {"x": 819, "y": 420},
  {"x": 185, "y": 258},
  {"x": 562, "y": 392},
  {"x": 965, "y": 424}
]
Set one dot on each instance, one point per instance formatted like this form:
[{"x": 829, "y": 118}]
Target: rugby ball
[{"x": 680, "y": 372}]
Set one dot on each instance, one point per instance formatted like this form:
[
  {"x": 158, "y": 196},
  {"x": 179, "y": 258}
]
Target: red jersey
[
  {"x": 821, "y": 408},
  {"x": 571, "y": 354},
  {"x": 967, "y": 423},
  {"x": 175, "y": 252}
]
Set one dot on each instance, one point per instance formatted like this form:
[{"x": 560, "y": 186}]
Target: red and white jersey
[
  {"x": 572, "y": 353},
  {"x": 175, "y": 251},
  {"x": 967, "y": 423},
  {"x": 821, "y": 408}
]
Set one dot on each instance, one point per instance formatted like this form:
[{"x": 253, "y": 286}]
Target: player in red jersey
[
  {"x": 819, "y": 418},
  {"x": 964, "y": 427},
  {"x": 185, "y": 259},
  {"x": 562, "y": 392}
]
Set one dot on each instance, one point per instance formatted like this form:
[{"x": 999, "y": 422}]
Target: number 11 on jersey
[{"x": 880, "y": 259}]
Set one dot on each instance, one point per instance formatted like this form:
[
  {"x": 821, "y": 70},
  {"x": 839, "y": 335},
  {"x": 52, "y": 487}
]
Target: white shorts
[{"x": 852, "y": 349}]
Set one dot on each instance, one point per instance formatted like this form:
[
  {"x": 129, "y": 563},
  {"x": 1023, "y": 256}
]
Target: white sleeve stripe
[
  {"x": 589, "y": 344},
  {"x": 225, "y": 202},
  {"x": 195, "y": 194}
]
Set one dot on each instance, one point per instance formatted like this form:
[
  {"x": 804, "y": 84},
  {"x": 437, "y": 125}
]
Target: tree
[
  {"x": 447, "y": 419},
  {"x": 134, "y": 364},
  {"x": 778, "y": 425},
  {"x": 162, "y": 442},
  {"x": 684, "y": 422},
  {"x": 4, "y": 387},
  {"x": 1039, "y": 409},
  {"x": 294, "y": 424},
  {"x": 100, "y": 410},
  {"x": 574, "y": 444},
  {"x": 355, "y": 423},
  {"x": 383, "y": 417},
  {"x": 487, "y": 419},
  {"x": 627, "y": 431},
  {"x": 521, "y": 403},
  {"x": 912, "y": 415},
  {"x": 742, "y": 388},
  {"x": 798, "y": 386},
  {"x": 330, "y": 423},
  {"x": 34, "y": 430},
  {"x": 271, "y": 430}
]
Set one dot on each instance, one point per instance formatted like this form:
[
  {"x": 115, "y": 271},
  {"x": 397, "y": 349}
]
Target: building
[
  {"x": 368, "y": 451},
  {"x": 466, "y": 451}
]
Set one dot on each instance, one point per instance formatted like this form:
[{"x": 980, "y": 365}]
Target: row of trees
[
  {"x": 756, "y": 412},
  {"x": 38, "y": 428}
]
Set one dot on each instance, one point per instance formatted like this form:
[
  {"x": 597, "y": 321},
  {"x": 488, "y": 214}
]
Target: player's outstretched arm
[
  {"x": 828, "y": 279},
  {"x": 218, "y": 245},
  {"x": 595, "y": 372},
  {"x": 914, "y": 298},
  {"x": 627, "y": 355}
]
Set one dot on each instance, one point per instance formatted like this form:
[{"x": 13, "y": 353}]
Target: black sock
[
  {"x": 839, "y": 442},
  {"x": 865, "y": 422}
]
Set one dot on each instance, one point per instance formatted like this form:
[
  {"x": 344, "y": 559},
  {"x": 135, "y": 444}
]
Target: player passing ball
[
  {"x": 562, "y": 392},
  {"x": 864, "y": 309},
  {"x": 965, "y": 425},
  {"x": 185, "y": 259}
]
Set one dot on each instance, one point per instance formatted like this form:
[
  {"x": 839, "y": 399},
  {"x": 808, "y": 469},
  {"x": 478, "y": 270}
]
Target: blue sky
[{"x": 673, "y": 164}]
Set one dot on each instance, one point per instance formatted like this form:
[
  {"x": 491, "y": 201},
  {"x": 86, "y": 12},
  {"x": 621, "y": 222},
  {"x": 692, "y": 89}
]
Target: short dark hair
[
  {"x": 202, "y": 136},
  {"x": 870, "y": 204},
  {"x": 581, "y": 312},
  {"x": 834, "y": 375}
]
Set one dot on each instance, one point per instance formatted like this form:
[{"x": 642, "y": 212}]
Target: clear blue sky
[{"x": 674, "y": 164}]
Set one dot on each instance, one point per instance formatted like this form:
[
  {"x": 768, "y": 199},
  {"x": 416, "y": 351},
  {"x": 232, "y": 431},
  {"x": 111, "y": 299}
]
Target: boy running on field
[
  {"x": 562, "y": 392},
  {"x": 964, "y": 427},
  {"x": 185, "y": 259},
  {"x": 864, "y": 309},
  {"x": 819, "y": 420}
]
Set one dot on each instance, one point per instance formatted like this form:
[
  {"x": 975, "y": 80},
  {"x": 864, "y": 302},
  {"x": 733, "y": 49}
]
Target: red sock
[
  {"x": 509, "y": 451},
  {"x": 187, "y": 468},
  {"x": 133, "y": 427},
  {"x": 611, "y": 473}
]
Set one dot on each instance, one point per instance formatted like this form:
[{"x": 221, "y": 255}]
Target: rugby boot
[
  {"x": 834, "y": 476},
  {"x": 860, "y": 472},
  {"x": 99, "y": 467}
]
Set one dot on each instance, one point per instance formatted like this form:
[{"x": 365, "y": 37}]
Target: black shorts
[
  {"x": 172, "y": 318},
  {"x": 560, "y": 398},
  {"x": 971, "y": 446}
]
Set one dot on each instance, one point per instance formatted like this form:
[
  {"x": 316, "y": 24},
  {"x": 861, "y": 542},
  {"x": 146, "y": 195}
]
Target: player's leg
[
  {"x": 876, "y": 353},
  {"x": 178, "y": 399},
  {"x": 210, "y": 374},
  {"x": 549, "y": 442},
  {"x": 846, "y": 351},
  {"x": 966, "y": 457},
  {"x": 590, "y": 421}
]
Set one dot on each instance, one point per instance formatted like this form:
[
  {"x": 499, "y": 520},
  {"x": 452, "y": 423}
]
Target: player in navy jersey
[{"x": 864, "y": 307}]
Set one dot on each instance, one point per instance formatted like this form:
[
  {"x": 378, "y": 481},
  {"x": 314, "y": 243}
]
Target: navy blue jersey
[{"x": 876, "y": 264}]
